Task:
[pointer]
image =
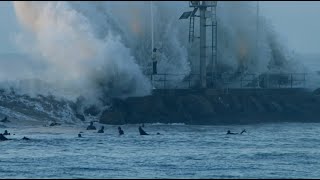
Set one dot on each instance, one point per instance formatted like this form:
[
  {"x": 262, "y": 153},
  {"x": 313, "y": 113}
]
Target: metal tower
[
  {"x": 208, "y": 49},
  {"x": 257, "y": 37}
]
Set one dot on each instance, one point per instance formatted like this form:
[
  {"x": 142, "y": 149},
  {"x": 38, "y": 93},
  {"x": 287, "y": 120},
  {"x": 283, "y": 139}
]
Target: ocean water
[{"x": 283, "y": 150}]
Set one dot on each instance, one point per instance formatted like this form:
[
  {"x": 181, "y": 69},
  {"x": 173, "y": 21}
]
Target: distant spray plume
[
  {"x": 236, "y": 36},
  {"x": 78, "y": 63}
]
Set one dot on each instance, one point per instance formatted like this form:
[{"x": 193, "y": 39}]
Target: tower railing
[{"x": 229, "y": 80}]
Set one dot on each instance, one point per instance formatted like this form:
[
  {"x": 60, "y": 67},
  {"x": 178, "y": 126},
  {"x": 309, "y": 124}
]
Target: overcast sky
[{"x": 297, "y": 22}]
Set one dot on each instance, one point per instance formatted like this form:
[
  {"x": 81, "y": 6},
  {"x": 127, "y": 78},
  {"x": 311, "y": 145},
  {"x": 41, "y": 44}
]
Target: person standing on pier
[{"x": 154, "y": 61}]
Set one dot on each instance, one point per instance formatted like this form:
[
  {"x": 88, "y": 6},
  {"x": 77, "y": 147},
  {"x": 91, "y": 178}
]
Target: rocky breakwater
[{"x": 237, "y": 106}]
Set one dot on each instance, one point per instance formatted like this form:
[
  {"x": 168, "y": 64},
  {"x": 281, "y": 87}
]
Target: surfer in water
[
  {"x": 6, "y": 133},
  {"x": 120, "y": 131},
  {"x": 25, "y": 138},
  {"x": 101, "y": 130},
  {"x": 142, "y": 132},
  {"x": 229, "y": 132},
  {"x": 243, "y": 131},
  {"x": 3, "y": 138},
  {"x": 79, "y": 135},
  {"x": 91, "y": 126}
]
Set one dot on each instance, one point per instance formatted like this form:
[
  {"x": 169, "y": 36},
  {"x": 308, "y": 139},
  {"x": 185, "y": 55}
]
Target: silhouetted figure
[
  {"x": 79, "y": 135},
  {"x": 91, "y": 127},
  {"x": 243, "y": 131},
  {"x": 6, "y": 133},
  {"x": 229, "y": 132},
  {"x": 120, "y": 131},
  {"x": 5, "y": 120},
  {"x": 2, "y": 137},
  {"x": 142, "y": 132},
  {"x": 154, "y": 61},
  {"x": 101, "y": 130},
  {"x": 25, "y": 138}
]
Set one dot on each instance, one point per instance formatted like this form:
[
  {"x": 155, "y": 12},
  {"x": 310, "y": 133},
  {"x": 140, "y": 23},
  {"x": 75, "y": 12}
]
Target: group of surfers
[
  {"x": 121, "y": 132},
  {"x": 92, "y": 127}
]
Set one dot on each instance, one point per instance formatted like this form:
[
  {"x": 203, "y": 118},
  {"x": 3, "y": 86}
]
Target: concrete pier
[{"x": 216, "y": 107}]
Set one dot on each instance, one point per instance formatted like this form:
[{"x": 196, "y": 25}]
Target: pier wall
[{"x": 216, "y": 107}]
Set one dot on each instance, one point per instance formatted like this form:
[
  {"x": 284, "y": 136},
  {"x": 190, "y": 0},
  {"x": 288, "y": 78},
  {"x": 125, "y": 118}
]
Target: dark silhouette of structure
[{"x": 25, "y": 138}]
